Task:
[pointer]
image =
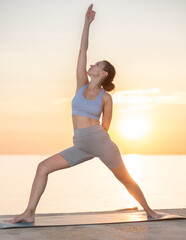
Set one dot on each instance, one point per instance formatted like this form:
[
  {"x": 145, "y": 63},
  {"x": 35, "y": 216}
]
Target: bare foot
[
  {"x": 24, "y": 217},
  {"x": 155, "y": 215}
]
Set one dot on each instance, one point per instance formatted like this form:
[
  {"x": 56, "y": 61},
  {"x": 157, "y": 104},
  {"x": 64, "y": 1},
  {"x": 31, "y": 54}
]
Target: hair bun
[
  {"x": 107, "y": 83},
  {"x": 108, "y": 86}
]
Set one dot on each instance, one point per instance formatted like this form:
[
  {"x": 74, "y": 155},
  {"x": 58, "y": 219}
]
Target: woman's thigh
[
  {"x": 53, "y": 163},
  {"x": 122, "y": 174},
  {"x": 111, "y": 155}
]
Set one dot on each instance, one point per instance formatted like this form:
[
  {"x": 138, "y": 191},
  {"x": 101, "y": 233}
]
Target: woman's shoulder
[{"x": 107, "y": 97}]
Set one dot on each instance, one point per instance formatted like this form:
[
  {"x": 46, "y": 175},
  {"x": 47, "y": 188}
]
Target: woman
[{"x": 90, "y": 138}]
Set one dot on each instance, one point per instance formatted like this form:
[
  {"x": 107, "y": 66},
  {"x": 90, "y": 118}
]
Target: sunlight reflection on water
[{"x": 91, "y": 186}]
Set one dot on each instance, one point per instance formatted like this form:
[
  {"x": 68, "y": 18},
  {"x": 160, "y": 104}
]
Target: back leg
[{"x": 124, "y": 177}]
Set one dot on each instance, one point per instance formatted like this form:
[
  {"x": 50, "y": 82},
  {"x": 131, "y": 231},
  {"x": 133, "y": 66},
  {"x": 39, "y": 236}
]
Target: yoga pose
[{"x": 91, "y": 138}]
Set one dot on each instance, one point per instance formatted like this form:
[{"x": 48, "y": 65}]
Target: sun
[{"x": 134, "y": 127}]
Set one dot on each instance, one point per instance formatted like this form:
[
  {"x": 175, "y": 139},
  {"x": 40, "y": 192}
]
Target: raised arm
[{"x": 81, "y": 72}]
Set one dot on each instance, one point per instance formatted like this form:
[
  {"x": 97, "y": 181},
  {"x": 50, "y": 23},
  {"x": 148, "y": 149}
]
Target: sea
[{"x": 91, "y": 186}]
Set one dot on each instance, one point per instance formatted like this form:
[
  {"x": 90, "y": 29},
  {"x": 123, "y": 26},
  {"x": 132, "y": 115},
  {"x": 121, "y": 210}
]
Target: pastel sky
[{"x": 144, "y": 39}]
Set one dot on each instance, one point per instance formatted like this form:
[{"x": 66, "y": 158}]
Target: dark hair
[{"x": 107, "y": 82}]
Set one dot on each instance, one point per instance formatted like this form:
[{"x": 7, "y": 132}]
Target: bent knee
[{"x": 42, "y": 168}]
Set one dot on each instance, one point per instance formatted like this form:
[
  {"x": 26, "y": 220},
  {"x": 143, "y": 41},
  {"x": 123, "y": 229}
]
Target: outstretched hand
[{"x": 90, "y": 14}]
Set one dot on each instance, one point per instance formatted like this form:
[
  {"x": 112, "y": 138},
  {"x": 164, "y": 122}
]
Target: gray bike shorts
[{"x": 90, "y": 142}]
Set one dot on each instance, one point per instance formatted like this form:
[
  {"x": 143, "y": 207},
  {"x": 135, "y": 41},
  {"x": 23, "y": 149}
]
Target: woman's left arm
[{"x": 107, "y": 111}]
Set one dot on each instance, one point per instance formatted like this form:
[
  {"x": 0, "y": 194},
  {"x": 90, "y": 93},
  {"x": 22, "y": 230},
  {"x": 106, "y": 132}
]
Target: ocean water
[{"x": 91, "y": 186}]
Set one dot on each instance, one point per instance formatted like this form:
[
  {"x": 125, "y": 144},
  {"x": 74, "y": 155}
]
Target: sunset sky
[{"x": 39, "y": 44}]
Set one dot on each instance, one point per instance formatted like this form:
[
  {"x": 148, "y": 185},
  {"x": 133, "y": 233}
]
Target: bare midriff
[{"x": 83, "y": 121}]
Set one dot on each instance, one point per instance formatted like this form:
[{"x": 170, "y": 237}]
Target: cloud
[
  {"x": 148, "y": 96},
  {"x": 140, "y": 91},
  {"x": 134, "y": 108}
]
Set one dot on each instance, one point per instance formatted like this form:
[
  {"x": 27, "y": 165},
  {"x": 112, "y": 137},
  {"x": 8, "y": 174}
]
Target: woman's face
[{"x": 96, "y": 69}]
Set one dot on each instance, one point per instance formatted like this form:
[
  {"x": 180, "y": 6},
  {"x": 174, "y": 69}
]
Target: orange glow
[
  {"x": 132, "y": 163},
  {"x": 134, "y": 127}
]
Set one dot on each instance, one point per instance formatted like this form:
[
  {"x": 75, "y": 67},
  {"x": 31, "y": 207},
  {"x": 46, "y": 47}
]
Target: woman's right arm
[{"x": 81, "y": 72}]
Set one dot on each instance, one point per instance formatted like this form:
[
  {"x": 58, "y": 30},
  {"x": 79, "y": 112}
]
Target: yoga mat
[{"x": 88, "y": 218}]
